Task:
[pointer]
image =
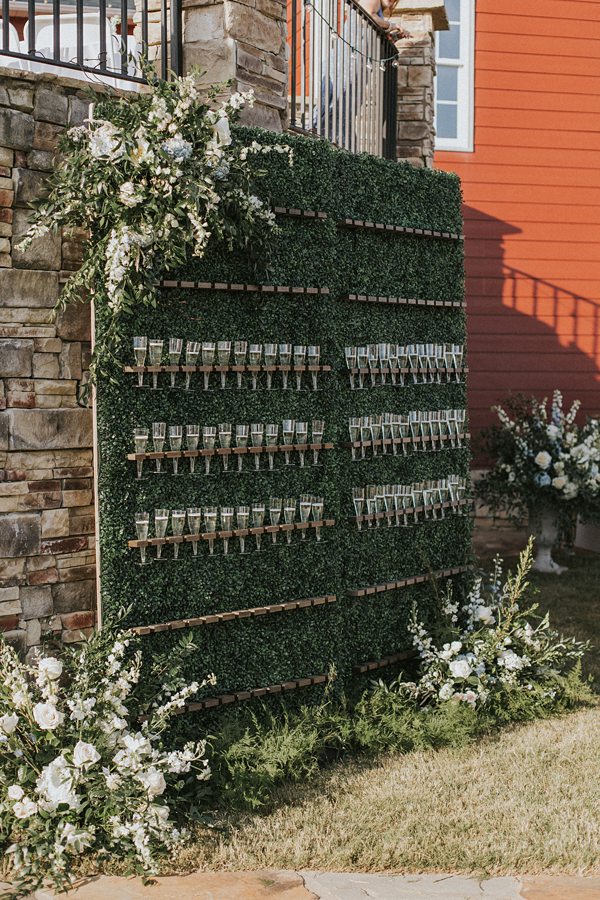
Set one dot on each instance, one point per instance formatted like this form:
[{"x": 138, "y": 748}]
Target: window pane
[
  {"x": 453, "y": 10},
  {"x": 450, "y": 43},
  {"x": 446, "y": 120},
  {"x": 447, "y": 83}
]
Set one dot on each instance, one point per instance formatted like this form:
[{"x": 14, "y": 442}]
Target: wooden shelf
[
  {"x": 229, "y": 368},
  {"x": 407, "y": 581},
  {"x": 236, "y": 532},
  {"x": 299, "y": 213},
  {"x": 411, "y": 511},
  {"x": 399, "y": 229},
  {"x": 390, "y": 442},
  {"x": 407, "y": 370},
  {"x": 222, "y": 618},
  {"x": 375, "y": 664},
  {"x": 242, "y": 288},
  {"x": 404, "y": 301},
  {"x": 228, "y": 451}
]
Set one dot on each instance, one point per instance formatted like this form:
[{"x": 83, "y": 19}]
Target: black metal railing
[
  {"x": 102, "y": 40},
  {"x": 343, "y": 76}
]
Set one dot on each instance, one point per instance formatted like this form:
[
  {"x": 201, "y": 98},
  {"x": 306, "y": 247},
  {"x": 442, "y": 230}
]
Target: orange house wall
[{"x": 532, "y": 203}]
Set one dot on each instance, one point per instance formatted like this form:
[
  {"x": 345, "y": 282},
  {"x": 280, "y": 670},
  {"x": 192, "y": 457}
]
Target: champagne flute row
[
  {"x": 424, "y": 363},
  {"x": 258, "y": 439},
  {"x": 409, "y": 504},
  {"x": 436, "y": 429},
  {"x": 216, "y": 358},
  {"x": 235, "y": 522}
]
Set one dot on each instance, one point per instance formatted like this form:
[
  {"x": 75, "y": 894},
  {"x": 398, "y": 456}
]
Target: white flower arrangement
[
  {"x": 83, "y": 762},
  {"x": 150, "y": 179}
]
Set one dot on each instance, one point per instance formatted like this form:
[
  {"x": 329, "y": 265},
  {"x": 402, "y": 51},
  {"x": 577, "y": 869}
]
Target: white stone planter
[
  {"x": 544, "y": 527},
  {"x": 587, "y": 536}
]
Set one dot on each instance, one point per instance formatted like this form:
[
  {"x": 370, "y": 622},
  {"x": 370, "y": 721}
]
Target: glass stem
[
  {"x": 284, "y": 376},
  {"x": 140, "y": 467},
  {"x": 154, "y": 380},
  {"x": 140, "y": 379},
  {"x": 143, "y": 555},
  {"x": 207, "y": 465},
  {"x": 223, "y": 380},
  {"x": 188, "y": 380},
  {"x": 175, "y": 466},
  {"x": 192, "y": 464}
]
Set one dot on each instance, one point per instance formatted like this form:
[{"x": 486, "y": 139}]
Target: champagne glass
[
  {"x": 275, "y": 510},
  {"x": 376, "y": 431},
  {"x": 225, "y": 433},
  {"x": 394, "y": 362},
  {"x": 288, "y": 428},
  {"x": 271, "y": 438},
  {"x": 373, "y": 359},
  {"x": 175, "y": 348},
  {"x": 192, "y": 350},
  {"x": 177, "y": 523},
  {"x": 317, "y": 514},
  {"x": 299, "y": 360},
  {"x": 227, "y": 514},
  {"x": 224, "y": 358},
  {"x": 140, "y": 439},
  {"x": 208, "y": 359},
  {"x": 358, "y": 498},
  {"x": 254, "y": 355},
  {"x": 396, "y": 434},
  {"x": 258, "y": 520},
  {"x": 210, "y": 526},
  {"x": 209, "y": 437},
  {"x": 159, "y": 430},
  {"x": 351, "y": 355},
  {"x": 388, "y": 496},
  {"x": 383, "y": 351},
  {"x": 270, "y": 358},
  {"x": 257, "y": 432},
  {"x": 192, "y": 438},
  {"x": 142, "y": 520},
  {"x": 371, "y": 500},
  {"x": 175, "y": 440},
  {"x": 301, "y": 438},
  {"x": 354, "y": 429},
  {"x": 285, "y": 359},
  {"x": 305, "y": 508},
  {"x": 317, "y": 429},
  {"x": 242, "y": 518},
  {"x": 386, "y": 431},
  {"x": 161, "y": 521},
  {"x": 363, "y": 362},
  {"x": 194, "y": 518},
  {"x": 366, "y": 435},
  {"x": 155, "y": 358},
  {"x": 289, "y": 515},
  {"x": 402, "y": 351},
  {"x": 242, "y": 433},
  {"x": 380, "y": 500},
  {"x": 240, "y": 349},
  {"x": 140, "y": 348},
  {"x": 314, "y": 356}
]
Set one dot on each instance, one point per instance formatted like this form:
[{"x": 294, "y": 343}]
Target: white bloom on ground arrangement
[
  {"x": 505, "y": 655},
  {"x": 152, "y": 180},
  {"x": 85, "y": 761}
]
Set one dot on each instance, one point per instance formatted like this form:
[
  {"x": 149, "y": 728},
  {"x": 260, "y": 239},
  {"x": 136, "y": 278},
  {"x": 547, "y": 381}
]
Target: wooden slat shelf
[
  {"x": 229, "y": 368},
  {"x": 221, "y": 618},
  {"x": 400, "y": 229},
  {"x": 228, "y": 451},
  {"x": 375, "y": 664},
  {"x": 243, "y": 288},
  {"x": 251, "y": 694},
  {"x": 236, "y": 532},
  {"x": 407, "y": 370},
  {"x": 411, "y": 511},
  {"x": 407, "y": 581},
  {"x": 390, "y": 442},
  {"x": 299, "y": 213},
  {"x": 404, "y": 301}
]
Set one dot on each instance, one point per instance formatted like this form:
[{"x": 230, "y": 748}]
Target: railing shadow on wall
[{"x": 526, "y": 334}]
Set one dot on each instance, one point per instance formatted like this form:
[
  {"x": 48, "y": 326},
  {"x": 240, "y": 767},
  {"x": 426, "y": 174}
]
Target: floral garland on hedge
[{"x": 149, "y": 178}]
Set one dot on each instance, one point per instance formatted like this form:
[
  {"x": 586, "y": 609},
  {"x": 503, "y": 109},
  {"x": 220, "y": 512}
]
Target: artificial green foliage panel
[{"x": 254, "y": 652}]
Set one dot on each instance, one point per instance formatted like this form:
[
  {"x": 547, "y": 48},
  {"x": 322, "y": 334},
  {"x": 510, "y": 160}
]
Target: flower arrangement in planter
[
  {"x": 83, "y": 762},
  {"x": 150, "y": 178},
  {"x": 546, "y": 467}
]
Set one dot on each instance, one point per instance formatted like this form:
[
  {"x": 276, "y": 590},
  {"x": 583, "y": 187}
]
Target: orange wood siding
[{"x": 532, "y": 203}]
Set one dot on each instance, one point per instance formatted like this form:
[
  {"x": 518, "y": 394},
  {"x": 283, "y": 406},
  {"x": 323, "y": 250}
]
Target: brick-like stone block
[
  {"x": 64, "y": 545},
  {"x": 421, "y": 76},
  {"x": 28, "y": 185},
  {"x": 46, "y": 365},
  {"x": 83, "y": 619},
  {"x": 33, "y": 632},
  {"x": 413, "y": 131},
  {"x": 43, "y": 576},
  {"x": 70, "y": 361},
  {"x": 28, "y": 288},
  {"x": 55, "y": 523},
  {"x": 44, "y": 252},
  {"x": 19, "y": 534},
  {"x": 15, "y": 358},
  {"x": 47, "y": 429},
  {"x": 252, "y": 27},
  {"x": 20, "y": 96},
  {"x": 16, "y": 638},
  {"x": 74, "y": 596},
  {"x": 45, "y": 136},
  {"x": 77, "y": 636},
  {"x": 8, "y": 623},
  {"x": 16, "y": 129},
  {"x": 75, "y": 323},
  {"x": 36, "y": 602},
  {"x": 50, "y": 106}
]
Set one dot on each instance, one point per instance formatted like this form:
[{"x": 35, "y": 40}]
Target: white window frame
[{"x": 463, "y": 142}]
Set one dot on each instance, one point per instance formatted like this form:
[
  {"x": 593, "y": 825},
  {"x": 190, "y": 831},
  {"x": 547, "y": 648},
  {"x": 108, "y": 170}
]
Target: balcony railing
[
  {"x": 343, "y": 76},
  {"x": 101, "y": 40}
]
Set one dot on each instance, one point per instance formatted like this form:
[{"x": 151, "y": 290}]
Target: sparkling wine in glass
[
  {"x": 155, "y": 358},
  {"x": 140, "y": 348},
  {"x": 362, "y": 356},
  {"x": 254, "y": 357},
  {"x": 271, "y": 439},
  {"x": 142, "y": 521},
  {"x": 314, "y": 356},
  {"x": 242, "y": 518},
  {"x": 194, "y": 519},
  {"x": 275, "y": 510},
  {"x": 177, "y": 524},
  {"x": 225, "y": 434},
  {"x": 159, "y": 431},
  {"x": 208, "y": 359},
  {"x": 302, "y": 438},
  {"x": 289, "y": 515},
  {"x": 299, "y": 360},
  {"x": 317, "y": 514},
  {"x": 270, "y": 358},
  {"x": 258, "y": 520},
  {"x": 227, "y": 514},
  {"x": 161, "y": 521},
  {"x": 305, "y": 508},
  {"x": 285, "y": 359},
  {"x": 175, "y": 348},
  {"x": 358, "y": 498},
  {"x": 240, "y": 350},
  {"x": 140, "y": 439},
  {"x": 209, "y": 437},
  {"x": 351, "y": 355},
  {"x": 317, "y": 429},
  {"x": 192, "y": 438},
  {"x": 192, "y": 351},
  {"x": 224, "y": 358},
  {"x": 354, "y": 429},
  {"x": 175, "y": 441},
  {"x": 257, "y": 432},
  {"x": 288, "y": 429},
  {"x": 242, "y": 436},
  {"x": 210, "y": 526}
]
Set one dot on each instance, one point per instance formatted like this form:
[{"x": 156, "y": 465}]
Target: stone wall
[{"x": 47, "y": 572}]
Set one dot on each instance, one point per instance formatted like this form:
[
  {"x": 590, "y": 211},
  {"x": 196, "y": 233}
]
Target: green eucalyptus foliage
[{"x": 255, "y": 652}]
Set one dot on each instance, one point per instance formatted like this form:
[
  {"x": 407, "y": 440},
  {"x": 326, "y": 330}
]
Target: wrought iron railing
[
  {"x": 343, "y": 72},
  {"x": 103, "y": 40}
]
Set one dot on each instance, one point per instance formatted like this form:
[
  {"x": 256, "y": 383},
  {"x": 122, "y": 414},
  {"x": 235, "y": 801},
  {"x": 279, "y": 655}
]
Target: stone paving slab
[{"x": 357, "y": 886}]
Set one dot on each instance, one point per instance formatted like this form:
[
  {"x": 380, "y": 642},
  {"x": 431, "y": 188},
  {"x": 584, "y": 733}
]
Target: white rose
[
  {"x": 51, "y": 668},
  {"x": 153, "y": 781},
  {"x": 460, "y": 668},
  {"x": 47, "y": 716},
  {"x": 84, "y": 755},
  {"x": 445, "y": 692},
  {"x": 484, "y": 614},
  {"x": 510, "y": 660},
  {"x": 55, "y": 785},
  {"x": 543, "y": 459},
  {"x": 128, "y": 194},
  {"x": 23, "y": 809},
  {"x": 221, "y": 131},
  {"x": 559, "y": 482},
  {"x": 8, "y": 723},
  {"x": 15, "y": 792}
]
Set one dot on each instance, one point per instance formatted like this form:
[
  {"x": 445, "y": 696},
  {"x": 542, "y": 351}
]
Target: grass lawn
[{"x": 524, "y": 801}]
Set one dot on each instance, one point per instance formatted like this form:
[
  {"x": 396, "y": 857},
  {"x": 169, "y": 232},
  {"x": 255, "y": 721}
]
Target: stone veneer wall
[
  {"x": 47, "y": 572},
  {"x": 415, "y": 101}
]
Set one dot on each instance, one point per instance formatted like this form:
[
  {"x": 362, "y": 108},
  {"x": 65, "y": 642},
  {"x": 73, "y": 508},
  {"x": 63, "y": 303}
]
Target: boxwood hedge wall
[{"x": 254, "y": 652}]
